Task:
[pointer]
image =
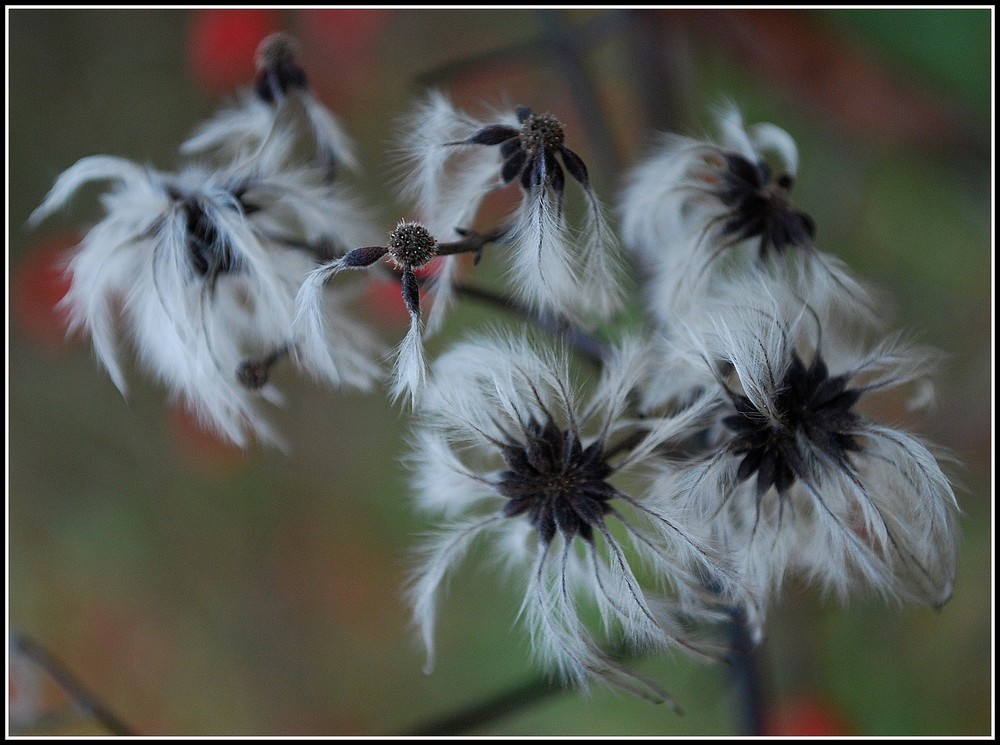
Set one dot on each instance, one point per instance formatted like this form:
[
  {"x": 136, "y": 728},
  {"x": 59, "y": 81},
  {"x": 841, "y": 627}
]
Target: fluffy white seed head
[
  {"x": 699, "y": 214},
  {"x": 197, "y": 271},
  {"x": 486, "y": 401},
  {"x": 836, "y": 497}
]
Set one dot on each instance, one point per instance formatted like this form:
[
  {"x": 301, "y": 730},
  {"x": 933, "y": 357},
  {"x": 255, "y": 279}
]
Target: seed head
[
  {"x": 411, "y": 245},
  {"x": 541, "y": 132}
]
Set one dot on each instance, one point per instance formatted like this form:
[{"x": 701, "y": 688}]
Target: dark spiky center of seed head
[
  {"x": 541, "y": 132},
  {"x": 777, "y": 194},
  {"x": 555, "y": 482},
  {"x": 760, "y": 206},
  {"x": 209, "y": 249},
  {"x": 411, "y": 245},
  {"x": 810, "y": 404}
]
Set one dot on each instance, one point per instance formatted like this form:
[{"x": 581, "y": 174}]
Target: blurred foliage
[
  {"x": 946, "y": 48},
  {"x": 201, "y": 591}
]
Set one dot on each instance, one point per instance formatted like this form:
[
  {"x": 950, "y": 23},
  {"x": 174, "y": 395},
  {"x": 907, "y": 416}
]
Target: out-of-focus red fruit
[
  {"x": 200, "y": 447},
  {"x": 806, "y": 716},
  {"x": 39, "y": 282},
  {"x": 222, "y": 45}
]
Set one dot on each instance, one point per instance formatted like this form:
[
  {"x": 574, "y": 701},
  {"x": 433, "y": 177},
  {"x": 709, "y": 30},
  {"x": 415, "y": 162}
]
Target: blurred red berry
[
  {"x": 806, "y": 716},
  {"x": 38, "y": 284},
  {"x": 222, "y": 45}
]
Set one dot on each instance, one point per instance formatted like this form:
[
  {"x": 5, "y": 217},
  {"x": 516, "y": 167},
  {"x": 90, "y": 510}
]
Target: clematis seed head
[{"x": 411, "y": 245}]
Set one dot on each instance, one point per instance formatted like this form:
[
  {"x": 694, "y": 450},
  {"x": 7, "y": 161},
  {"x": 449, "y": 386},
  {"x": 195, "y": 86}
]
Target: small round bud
[
  {"x": 277, "y": 70},
  {"x": 252, "y": 374},
  {"x": 410, "y": 244},
  {"x": 541, "y": 132},
  {"x": 277, "y": 49}
]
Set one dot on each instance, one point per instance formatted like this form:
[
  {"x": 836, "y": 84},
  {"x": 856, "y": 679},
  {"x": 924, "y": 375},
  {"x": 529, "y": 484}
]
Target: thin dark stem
[
  {"x": 585, "y": 344},
  {"x": 512, "y": 701},
  {"x": 744, "y": 664},
  {"x": 471, "y": 241},
  {"x": 497, "y": 707},
  {"x": 80, "y": 696},
  {"x": 747, "y": 674}
]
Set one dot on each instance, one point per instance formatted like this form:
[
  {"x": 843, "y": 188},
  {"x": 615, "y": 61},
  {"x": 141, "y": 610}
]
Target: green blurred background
[{"x": 199, "y": 591}]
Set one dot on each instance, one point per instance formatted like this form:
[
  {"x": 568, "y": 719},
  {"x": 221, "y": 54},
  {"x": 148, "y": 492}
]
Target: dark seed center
[
  {"x": 778, "y": 196},
  {"x": 410, "y": 244},
  {"x": 810, "y": 404},
  {"x": 541, "y": 132},
  {"x": 556, "y": 483}
]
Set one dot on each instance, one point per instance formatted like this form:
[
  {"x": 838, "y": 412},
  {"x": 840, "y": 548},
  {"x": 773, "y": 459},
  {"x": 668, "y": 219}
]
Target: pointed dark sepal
[
  {"x": 510, "y": 147},
  {"x": 513, "y": 166},
  {"x": 742, "y": 173},
  {"x": 411, "y": 292},
  {"x": 531, "y": 176},
  {"x": 554, "y": 173},
  {"x": 279, "y": 79},
  {"x": 576, "y": 167},
  {"x": 495, "y": 134},
  {"x": 364, "y": 256}
]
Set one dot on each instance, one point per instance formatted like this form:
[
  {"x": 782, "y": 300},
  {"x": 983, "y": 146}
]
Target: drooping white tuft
[
  {"x": 445, "y": 180},
  {"x": 409, "y": 373},
  {"x": 238, "y": 129},
  {"x": 93, "y": 168},
  {"x": 601, "y": 295},
  {"x": 200, "y": 269},
  {"x": 543, "y": 272},
  {"x": 434, "y": 561},
  {"x": 251, "y": 128},
  {"x": 329, "y": 135},
  {"x": 328, "y": 344}
]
